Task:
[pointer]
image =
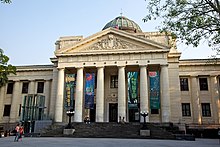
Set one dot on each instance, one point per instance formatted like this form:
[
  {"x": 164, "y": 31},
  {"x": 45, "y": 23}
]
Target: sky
[{"x": 29, "y": 28}]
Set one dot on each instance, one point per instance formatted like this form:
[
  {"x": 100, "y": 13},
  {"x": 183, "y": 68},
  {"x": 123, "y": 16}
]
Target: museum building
[{"x": 116, "y": 73}]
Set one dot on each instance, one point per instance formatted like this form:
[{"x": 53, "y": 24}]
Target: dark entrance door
[
  {"x": 92, "y": 114},
  {"x": 133, "y": 115},
  {"x": 113, "y": 112}
]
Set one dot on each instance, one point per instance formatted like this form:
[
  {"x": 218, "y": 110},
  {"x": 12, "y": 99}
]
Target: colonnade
[{"x": 122, "y": 105}]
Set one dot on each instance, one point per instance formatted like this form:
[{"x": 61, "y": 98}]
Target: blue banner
[
  {"x": 89, "y": 90},
  {"x": 69, "y": 95},
  {"x": 154, "y": 89},
  {"x": 132, "y": 89}
]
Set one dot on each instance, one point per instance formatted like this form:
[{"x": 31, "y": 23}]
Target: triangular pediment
[{"x": 111, "y": 41}]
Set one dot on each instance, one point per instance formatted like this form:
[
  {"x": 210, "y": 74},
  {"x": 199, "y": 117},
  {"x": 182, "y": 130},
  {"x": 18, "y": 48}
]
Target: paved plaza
[{"x": 104, "y": 142}]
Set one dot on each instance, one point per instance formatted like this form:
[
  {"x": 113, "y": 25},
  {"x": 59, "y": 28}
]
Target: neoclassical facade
[{"x": 116, "y": 73}]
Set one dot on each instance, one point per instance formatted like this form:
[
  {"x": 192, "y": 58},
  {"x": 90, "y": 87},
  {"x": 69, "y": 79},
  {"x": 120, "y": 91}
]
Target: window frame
[
  {"x": 10, "y": 87},
  {"x": 25, "y": 88},
  {"x": 203, "y": 84},
  {"x": 7, "y": 110},
  {"x": 114, "y": 81},
  {"x": 184, "y": 84},
  {"x": 39, "y": 88},
  {"x": 186, "y": 110},
  {"x": 206, "y": 109}
]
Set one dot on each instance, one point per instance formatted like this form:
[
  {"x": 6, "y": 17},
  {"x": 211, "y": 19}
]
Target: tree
[
  {"x": 190, "y": 21},
  {"x": 5, "y": 68},
  {"x": 5, "y": 1}
]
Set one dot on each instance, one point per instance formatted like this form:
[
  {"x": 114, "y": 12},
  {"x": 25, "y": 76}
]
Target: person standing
[{"x": 17, "y": 132}]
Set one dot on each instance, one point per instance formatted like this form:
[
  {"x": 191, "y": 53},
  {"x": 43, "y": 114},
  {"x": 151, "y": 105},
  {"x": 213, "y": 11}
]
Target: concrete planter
[
  {"x": 145, "y": 133},
  {"x": 68, "y": 131}
]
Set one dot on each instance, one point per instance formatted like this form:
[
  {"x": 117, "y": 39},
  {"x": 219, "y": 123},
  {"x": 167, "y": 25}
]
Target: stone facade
[{"x": 114, "y": 52}]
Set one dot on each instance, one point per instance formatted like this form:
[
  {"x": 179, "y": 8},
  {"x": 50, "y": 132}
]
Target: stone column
[
  {"x": 60, "y": 94},
  {"x": 47, "y": 96},
  {"x": 53, "y": 93},
  {"x": 214, "y": 88},
  {"x": 165, "y": 94},
  {"x": 100, "y": 95},
  {"x": 15, "y": 102},
  {"x": 121, "y": 93},
  {"x": 2, "y": 96},
  {"x": 79, "y": 96},
  {"x": 196, "y": 107},
  {"x": 144, "y": 101}
]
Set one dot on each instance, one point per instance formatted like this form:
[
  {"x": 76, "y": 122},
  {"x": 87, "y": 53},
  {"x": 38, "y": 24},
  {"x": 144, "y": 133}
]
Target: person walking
[
  {"x": 21, "y": 132},
  {"x": 17, "y": 132}
]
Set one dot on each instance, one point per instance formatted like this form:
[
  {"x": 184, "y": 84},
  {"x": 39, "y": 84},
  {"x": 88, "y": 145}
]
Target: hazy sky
[{"x": 29, "y": 28}]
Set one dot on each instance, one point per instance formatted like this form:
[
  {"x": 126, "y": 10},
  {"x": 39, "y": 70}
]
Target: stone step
[{"x": 113, "y": 130}]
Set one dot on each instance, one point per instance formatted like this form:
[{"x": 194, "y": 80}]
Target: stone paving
[{"x": 103, "y": 142}]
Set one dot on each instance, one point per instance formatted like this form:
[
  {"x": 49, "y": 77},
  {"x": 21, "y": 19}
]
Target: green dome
[{"x": 123, "y": 23}]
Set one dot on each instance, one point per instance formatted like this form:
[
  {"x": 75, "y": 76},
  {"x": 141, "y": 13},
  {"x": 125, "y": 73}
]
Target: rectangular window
[
  {"x": 186, "y": 109},
  {"x": 203, "y": 83},
  {"x": 184, "y": 84},
  {"x": 114, "y": 81},
  {"x": 7, "y": 110},
  {"x": 206, "y": 111},
  {"x": 40, "y": 87},
  {"x": 25, "y": 87},
  {"x": 10, "y": 88}
]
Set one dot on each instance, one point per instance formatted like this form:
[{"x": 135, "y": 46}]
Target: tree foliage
[
  {"x": 191, "y": 21},
  {"x": 5, "y": 1},
  {"x": 5, "y": 68}
]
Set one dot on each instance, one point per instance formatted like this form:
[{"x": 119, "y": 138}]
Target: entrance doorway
[
  {"x": 134, "y": 115},
  {"x": 113, "y": 112},
  {"x": 92, "y": 114}
]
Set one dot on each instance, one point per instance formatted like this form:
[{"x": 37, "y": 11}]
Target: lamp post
[
  {"x": 144, "y": 114},
  {"x": 70, "y": 113}
]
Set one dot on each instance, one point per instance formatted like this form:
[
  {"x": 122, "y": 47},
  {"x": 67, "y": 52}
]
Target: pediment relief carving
[{"x": 112, "y": 43}]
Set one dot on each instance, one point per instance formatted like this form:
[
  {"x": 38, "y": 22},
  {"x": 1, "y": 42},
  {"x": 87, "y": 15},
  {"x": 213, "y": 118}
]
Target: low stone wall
[{"x": 40, "y": 124}]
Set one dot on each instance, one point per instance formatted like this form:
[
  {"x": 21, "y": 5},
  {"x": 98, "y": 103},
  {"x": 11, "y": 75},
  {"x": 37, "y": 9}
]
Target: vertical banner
[
  {"x": 89, "y": 90},
  {"x": 154, "y": 89},
  {"x": 132, "y": 89},
  {"x": 70, "y": 84}
]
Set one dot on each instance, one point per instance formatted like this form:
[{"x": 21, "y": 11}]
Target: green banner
[
  {"x": 132, "y": 89},
  {"x": 154, "y": 89}
]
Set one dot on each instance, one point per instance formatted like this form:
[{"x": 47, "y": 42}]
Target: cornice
[{"x": 34, "y": 68}]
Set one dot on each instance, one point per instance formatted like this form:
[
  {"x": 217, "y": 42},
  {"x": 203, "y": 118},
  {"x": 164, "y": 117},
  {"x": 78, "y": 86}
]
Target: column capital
[
  {"x": 79, "y": 67},
  {"x": 121, "y": 66},
  {"x": 213, "y": 75},
  {"x": 60, "y": 68},
  {"x": 193, "y": 76},
  {"x": 101, "y": 66},
  {"x": 143, "y": 65}
]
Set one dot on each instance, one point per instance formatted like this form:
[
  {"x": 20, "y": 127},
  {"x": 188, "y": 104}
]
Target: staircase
[{"x": 109, "y": 130}]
